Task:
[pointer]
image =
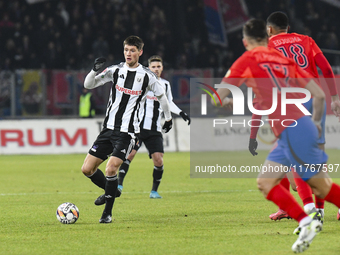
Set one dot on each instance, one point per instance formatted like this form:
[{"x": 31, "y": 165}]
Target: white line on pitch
[{"x": 131, "y": 192}]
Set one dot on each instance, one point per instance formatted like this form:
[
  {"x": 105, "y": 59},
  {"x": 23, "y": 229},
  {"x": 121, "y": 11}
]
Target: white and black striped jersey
[
  {"x": 151, "y": 110},
  {"x": 130, "y": 86}
]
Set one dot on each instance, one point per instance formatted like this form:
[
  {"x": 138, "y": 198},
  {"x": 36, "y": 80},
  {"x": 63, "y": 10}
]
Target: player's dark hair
[
  {"x": 155, "y": 58},
  {"x": 279, "y": 20},
  {"x": 133, "y": 40},
  {"x": 255, "y": 29}
]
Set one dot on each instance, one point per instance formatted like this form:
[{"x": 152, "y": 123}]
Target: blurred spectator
[
  {"x": 87, "y": 107},
  {"x": 6, "y": 26},
  {"x": 5, "y": 94},
  {"x": 31, "y": 99}
]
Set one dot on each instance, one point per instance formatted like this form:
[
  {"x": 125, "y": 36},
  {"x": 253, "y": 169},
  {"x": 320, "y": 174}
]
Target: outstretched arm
[
  {"x": 327, "y": 72},
  {"x": 93, "y": 81},
  {"x": 157, "y": 89},
  {"x": 165, "y": 106},
  {"x": 318, "y": 102},
  {"x": 175, "y": 109}
]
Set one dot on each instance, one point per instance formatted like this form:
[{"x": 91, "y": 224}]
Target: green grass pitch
[{"x": 195, "y": 216}]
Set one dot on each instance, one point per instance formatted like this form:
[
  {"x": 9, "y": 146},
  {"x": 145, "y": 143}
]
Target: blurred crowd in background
[
  {"x": 47, "y": 48},
  {"x": 70, "y": 34}
]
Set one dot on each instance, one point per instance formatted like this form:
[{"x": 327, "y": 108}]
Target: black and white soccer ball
[{"x": 67, "y": 213}]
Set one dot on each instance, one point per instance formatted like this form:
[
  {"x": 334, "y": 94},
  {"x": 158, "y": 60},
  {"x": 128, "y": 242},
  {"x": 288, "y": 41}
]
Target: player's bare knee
[
  {"x": 261, "y": 185},
  {"x": 157, "y": 159},
  {"x": 158, "y": 162},
  {"x": 111, "y": 170},
  {"x": 265, "y": 185},
  {"x": 318, "y": 192},
  {"x": 86, "y": 170},
  {"x": 112, "y": 167}
]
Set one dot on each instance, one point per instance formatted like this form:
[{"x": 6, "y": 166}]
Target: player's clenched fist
[
  {"x": 98, "y": 63},
  {"x": 167, "y": 126},
  {"x": 252, "y": 146},
  {"x": 185, "y": 117}
]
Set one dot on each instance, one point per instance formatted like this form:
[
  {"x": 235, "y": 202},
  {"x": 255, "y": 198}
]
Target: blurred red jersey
[
  {"x": 263, "y": 69},
  {"x": 301, "y": 48}
]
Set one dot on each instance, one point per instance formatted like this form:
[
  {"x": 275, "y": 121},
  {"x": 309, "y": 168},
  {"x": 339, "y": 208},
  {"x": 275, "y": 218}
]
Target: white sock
[
  {"x": 309, "y": 207},
  {"x": 305, "y": 221}
]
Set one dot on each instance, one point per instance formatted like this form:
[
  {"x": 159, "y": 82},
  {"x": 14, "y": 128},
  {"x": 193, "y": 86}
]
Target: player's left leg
[
  {"x": 281, "y": 214},
  {"x": 157, "y": 174},
  {"x": 153, "y": 141},
  {"x": 122, "y": 146}
]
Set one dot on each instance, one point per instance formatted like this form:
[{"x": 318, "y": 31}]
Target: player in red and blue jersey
[
  {"x": 261, "y": 69},
  {"x": 306, "y": 53}
]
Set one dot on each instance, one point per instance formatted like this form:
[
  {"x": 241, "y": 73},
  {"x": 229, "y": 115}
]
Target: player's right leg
[
  {"x": 96, "y": 155},
  {"x": 90, "y": 170}
]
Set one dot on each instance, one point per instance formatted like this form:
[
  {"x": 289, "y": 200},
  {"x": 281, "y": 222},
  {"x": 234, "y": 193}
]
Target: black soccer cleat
[
  {"x": 105, "y": 219},
  {"x": 100, "y": 200}
]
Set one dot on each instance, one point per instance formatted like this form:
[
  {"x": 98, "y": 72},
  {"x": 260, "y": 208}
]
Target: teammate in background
[
  {"x": 150, "y": 132},
  {"x": 304, "y": 51},
  {"x": 297, "y": 143},
  {"x": 131, "y": 81},
  {"x": 86, "y": 104}
]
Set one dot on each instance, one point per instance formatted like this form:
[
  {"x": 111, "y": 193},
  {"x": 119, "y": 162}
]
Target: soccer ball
[{"x": 67, "y": 213}]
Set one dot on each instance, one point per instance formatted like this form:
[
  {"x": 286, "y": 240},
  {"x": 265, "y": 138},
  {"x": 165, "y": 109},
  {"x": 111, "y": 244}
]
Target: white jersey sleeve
[
  {"x": 173, "y": 107},
  {"x": 92, "y": 80},
  {"x": 156, "y": 87}
]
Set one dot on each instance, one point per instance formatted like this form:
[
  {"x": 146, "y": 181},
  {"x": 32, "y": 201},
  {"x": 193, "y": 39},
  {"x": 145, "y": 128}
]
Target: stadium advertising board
[{"x": 63, "y": 136}]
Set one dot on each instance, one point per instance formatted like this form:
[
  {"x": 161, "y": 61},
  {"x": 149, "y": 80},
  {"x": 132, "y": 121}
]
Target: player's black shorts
[
  {"x": 112, "y": 143},
  {"x": 123, "y": 144},
  {"x": 153, "y": 141},
  {"x": 102, "y": 147}
]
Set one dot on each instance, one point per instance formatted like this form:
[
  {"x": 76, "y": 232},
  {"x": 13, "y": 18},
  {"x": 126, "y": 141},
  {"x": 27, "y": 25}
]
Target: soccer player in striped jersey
[
  {"x": 130, "y": 83},
  {"x": 150, "y": 131},
  {"x": 305, "y": 52},
  {"x": 297, "y": 141}
]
